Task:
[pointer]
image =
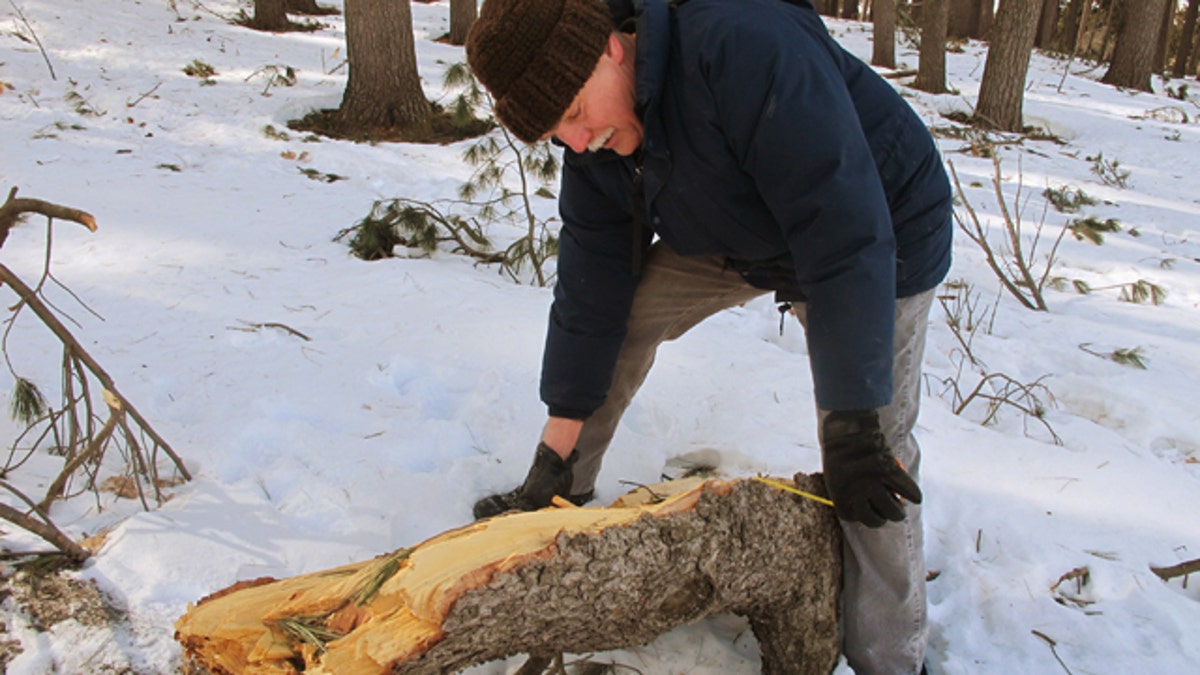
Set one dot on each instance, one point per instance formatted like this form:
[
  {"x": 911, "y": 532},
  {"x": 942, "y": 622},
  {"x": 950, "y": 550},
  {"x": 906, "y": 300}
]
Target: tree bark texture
[
  {"x": 1002, "y": 89},
  {"x": 565, "y": 580},
  {"x": 309, "y": 8},
  {"x": 883, "y": 53},
  {"x": 270, "y": 15},
  {"x": 962, "y": 19},
  {"x": 1183, "y": 56},
  {"x": 1047, "y": 25},
  {"x": 931, "y": 71},
  {"x": 383, "y": 90},
  {"x": 1137, "y": 40},
  {"x": 462, "y": 14}
]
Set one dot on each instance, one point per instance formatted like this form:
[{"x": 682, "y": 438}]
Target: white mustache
[{"x": 599, "y": 141}]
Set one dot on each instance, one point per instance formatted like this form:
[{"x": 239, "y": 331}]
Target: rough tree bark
[
  {"x": 1047, "y": 24},
  {"x": 883, "y": 53},
  {"x": 270, "y": 15},
  {"x": 1183, "y": 55},
  {"x": 1002, "y": 89},
  {"x": 383, "y": 90},
  {"x": 931, "y": 72},
  {"x": 309, "y": 8},
  {"x": 462, "y": 15},
  {"x": 565, "y": 580},
  {"x": 1137, "y": 39}
]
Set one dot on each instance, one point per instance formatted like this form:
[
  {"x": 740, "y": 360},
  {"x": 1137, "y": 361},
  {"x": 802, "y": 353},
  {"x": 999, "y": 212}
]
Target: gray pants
[{"x": 884, "y": 613}]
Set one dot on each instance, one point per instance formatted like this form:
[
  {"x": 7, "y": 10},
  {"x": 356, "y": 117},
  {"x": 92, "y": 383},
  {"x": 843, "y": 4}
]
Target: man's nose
[{"x": 575, "y": 137}]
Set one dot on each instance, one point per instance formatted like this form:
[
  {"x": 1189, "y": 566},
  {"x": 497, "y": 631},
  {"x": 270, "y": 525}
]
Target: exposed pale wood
[{"x": 559, "y": 580}]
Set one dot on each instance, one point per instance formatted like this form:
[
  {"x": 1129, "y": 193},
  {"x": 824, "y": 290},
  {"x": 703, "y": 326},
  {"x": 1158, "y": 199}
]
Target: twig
[
  {"x": 271, "y": 324},
  {"x": 42, "y": 528},
  {"x": 13, "y": 208},
  {"x": 144, "y": 96},
  {"x": 77, "y": 352},
  {"x": 98, "y": 441},
  {"x": 1050, "y": 641},
  {"x": 32, "y": 32},
  {"x": 1181, "y": 570}
]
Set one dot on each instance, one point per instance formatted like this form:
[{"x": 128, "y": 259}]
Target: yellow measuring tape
[{"x": 789, "y": 488}]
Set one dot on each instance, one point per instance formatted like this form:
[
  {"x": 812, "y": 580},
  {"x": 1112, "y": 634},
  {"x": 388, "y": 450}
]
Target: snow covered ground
[{"x": 416, "y": 392}]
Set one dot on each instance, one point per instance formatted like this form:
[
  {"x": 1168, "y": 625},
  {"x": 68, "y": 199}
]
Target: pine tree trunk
[
  {"x": 270, "y": 15},
  {"x": 1133, "y": 59},
  {"x": 1070, "y": 33},
  {"x": 1047, "y": 25},
  {"x": 962, "y": 19},
  {"x": 931, "y": 71},
  {"x": 462, "y": 14},
  {"x": 1184, "y": 53},
  {"x": 987, "y": 16},
  {"x": 309, "y": 8},
  {"x": 849, "y": 9},
  {"x": 566, "y": 580},
  {"x": 1002, "y": 90},
  {"x": 383, "y": 90},
  {"x": 883, "y": 53}
]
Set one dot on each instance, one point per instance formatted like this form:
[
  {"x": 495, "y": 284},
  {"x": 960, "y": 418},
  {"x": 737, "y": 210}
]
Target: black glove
[
  {"x": 864, "y": 478},
  {"x": 550, "y": 475}
]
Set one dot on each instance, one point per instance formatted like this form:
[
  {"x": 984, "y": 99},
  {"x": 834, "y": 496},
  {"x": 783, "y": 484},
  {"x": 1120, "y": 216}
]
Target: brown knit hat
[{"x": 534, "y": 56}]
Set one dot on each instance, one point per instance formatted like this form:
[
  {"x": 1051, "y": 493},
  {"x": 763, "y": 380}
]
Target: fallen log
[{"x": 558, "y": 580}]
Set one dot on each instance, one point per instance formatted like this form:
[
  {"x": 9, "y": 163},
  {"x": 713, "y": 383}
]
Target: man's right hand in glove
[{"x": 864, "y": 478}]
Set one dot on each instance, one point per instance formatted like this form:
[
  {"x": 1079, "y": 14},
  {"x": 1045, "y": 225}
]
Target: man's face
[{"x": 602, "y": 114}]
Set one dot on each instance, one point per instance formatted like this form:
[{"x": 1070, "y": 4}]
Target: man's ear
[{"x": 614, "y": 49}]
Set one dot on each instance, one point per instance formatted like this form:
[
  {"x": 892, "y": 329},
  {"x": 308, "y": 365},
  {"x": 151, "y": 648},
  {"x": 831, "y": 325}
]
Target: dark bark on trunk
[
  {"x": 383, "y": 90},
  {"x": 1183, "y": 55},
  {"x": 1070, "y": 33},
  {"x": 987, "y": 16},
  {"x": 1002, "y": 90},
  {"x": 741, "y": 547},
  {"x": 1164, "y": 37},
  {"x": 883, "y": 52},
  {"x": 963, "y": 19},
  {"x": 849, "y": 9},
  {"x": 1047, "y": 25},
  {"x": 309, "y": 8},
  {"x": 931, "y": 72},
  {"x": 1133, "y": 58},
  {"x": 462, "y": 14},
  {"x": 270, "y": 15}
]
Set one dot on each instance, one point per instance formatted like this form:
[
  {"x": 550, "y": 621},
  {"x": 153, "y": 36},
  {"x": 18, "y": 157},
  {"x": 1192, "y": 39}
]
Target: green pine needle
[{"x": 28, "y": 404}]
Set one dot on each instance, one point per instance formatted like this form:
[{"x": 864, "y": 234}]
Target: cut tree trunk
[{"x": 559, "y": 580}]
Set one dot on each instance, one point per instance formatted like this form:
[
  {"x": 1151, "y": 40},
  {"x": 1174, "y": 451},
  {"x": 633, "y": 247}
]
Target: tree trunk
[
  {"x": 1002, "y": 90},
  {"x": 1068, "y": 40},
  {"x": 962, "y": 19},
  {"x": 1133, "y": 58},
  {"x": 883, "y": 53},
  {"x": 849, "y": 9},
  {"x": 270, "y": 15},
  {"x": 383, "y": 90},
  {"x": 1047, "y": 25},
  {"x": 987, "y": 16},
  {"x": 1164, "y": 37},
  {"x": 553, "y": 581},
  {"x": 309, "y": 8},
  {"x": 1183, "y": 55},
  {"x": 931, "y": 70},
  {"x": 462, "y": 14}
]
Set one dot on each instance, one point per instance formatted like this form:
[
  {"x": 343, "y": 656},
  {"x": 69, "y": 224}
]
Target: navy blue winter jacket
[{"x": 769, "y": 144}]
